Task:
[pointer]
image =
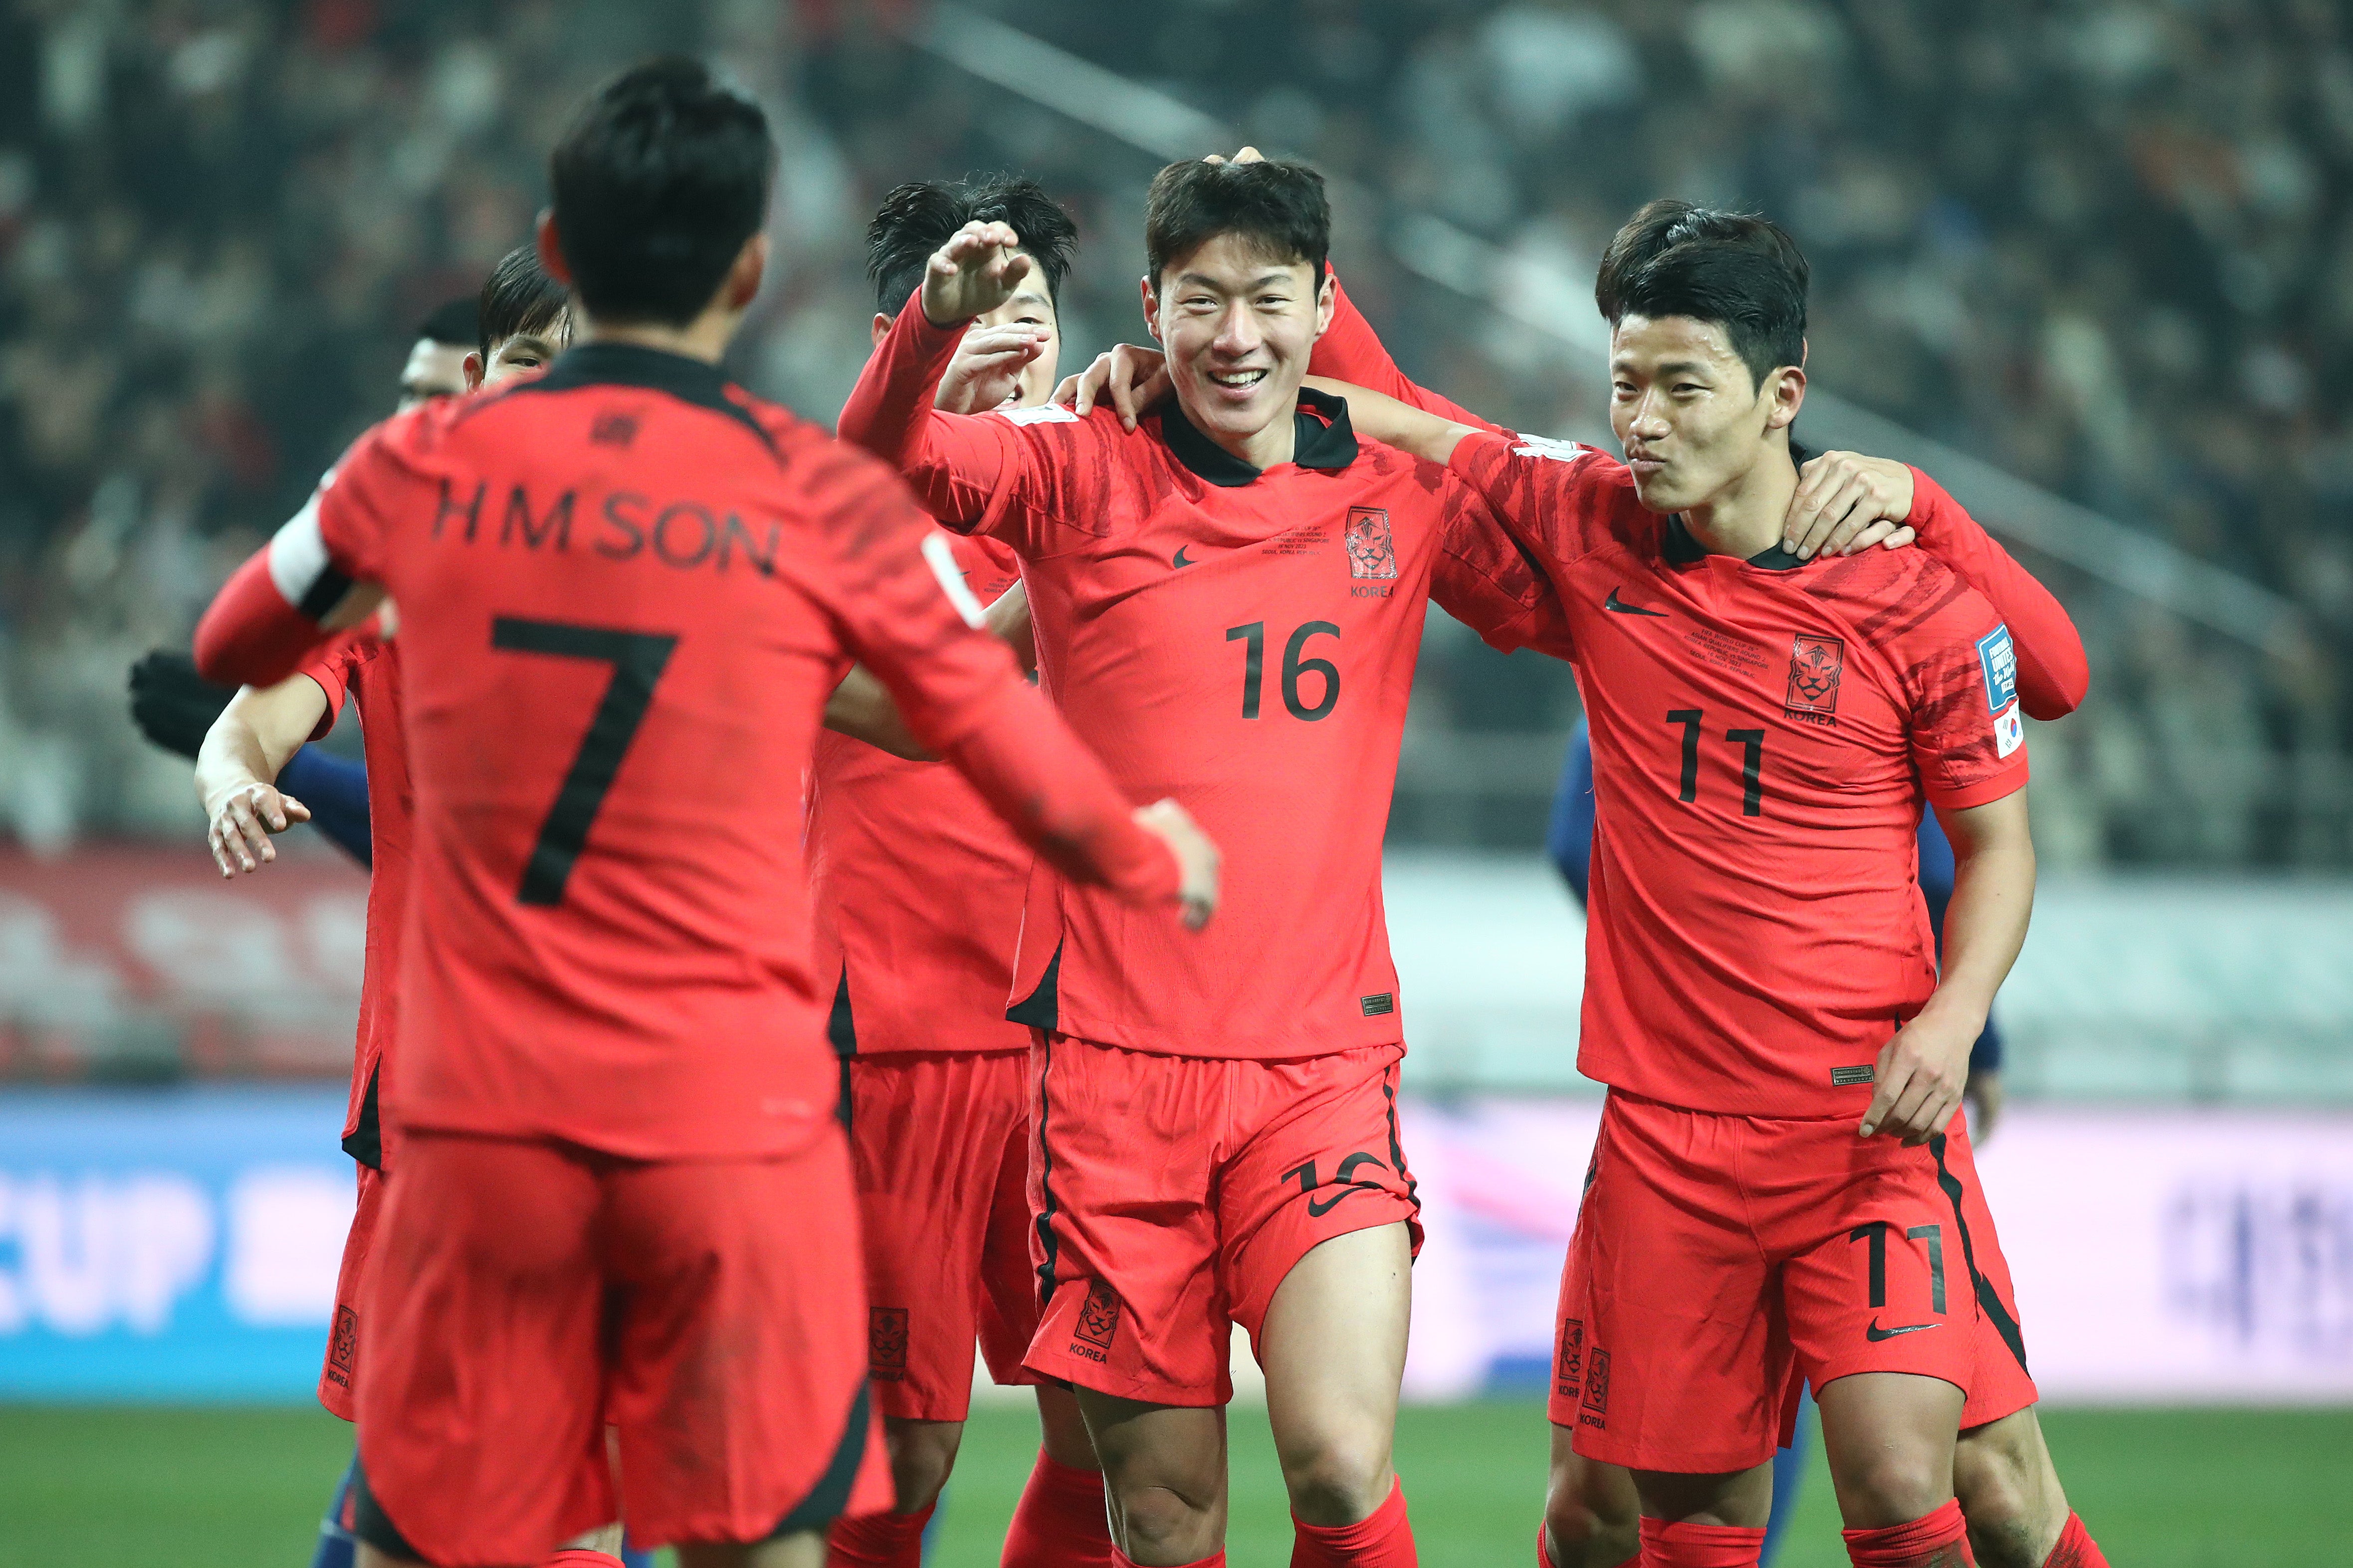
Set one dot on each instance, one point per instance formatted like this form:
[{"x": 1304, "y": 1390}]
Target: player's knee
[
  {"x": 1338, "y": 1479},
  {"x": 1160, "y": 1524},
  {"x": 2002, "y": 1501},
  {"x": 922, "y": 1455},
  {"x": 1584, "y": 1530},
  {"x": 1894, "y": 1486}
]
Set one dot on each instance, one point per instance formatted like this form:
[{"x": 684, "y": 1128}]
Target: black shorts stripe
[
  {"x": 371, "y": 1524},
  {"x": 1047, "y": 1246},
  {"x": 365, "y": 1142},
  {"x": 1989, "y": 1302},
  {"x": 1396, "y": 1148},
  {"x": 830, "y": 1496}
]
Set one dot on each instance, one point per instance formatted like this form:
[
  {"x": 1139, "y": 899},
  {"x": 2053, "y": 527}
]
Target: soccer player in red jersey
[
  {"x": 1736, "y": 1232},
  {"x": 917, "y": 892},
  {"x": 522, "y": 323},
  {"x": 627, "y": 586},
  {"x": 1231, "y": 595}
]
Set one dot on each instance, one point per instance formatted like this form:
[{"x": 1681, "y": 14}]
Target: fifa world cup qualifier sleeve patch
[{"x": 1998, "y": 661}]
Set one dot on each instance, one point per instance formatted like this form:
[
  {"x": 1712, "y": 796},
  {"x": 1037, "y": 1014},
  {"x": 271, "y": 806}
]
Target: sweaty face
[
  {"x": 1688, "y": 413},
  {"x": 434, "y": 370},
  {"x": 1238, "y": 326},
  {"x": 527, "y": 351}
]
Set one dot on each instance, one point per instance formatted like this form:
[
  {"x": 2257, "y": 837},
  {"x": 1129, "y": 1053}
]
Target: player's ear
[
  {"x": 881, "y": 328},
  {"x": 1327, "y": 300},
  {"x": 1787, "y": 387},
  {"x": 473, "y": 370},
  {"x": 1151, "y": 311},
  {"x": 744, "y": 277},
  {"x": 550, "y": 244}
]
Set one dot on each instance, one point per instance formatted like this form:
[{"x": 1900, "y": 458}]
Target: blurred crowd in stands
[{"x": 2107, "y": 246}]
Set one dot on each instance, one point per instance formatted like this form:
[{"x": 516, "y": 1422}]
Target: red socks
[
  {"x": 1381, "y": 1539},
  {"x": 1684, "y": 1545},
  {"x": 877, "y": 1541},
  {"x": 1939, "y": 1540},
  {"x": 1122, "y": 1560},
  {"x": 1544, "y": 1553},
  {"x": 2077, "y": 1548},
  {"x": 581, "y": 1557},
  {"x": 1060, "y": 1520}
]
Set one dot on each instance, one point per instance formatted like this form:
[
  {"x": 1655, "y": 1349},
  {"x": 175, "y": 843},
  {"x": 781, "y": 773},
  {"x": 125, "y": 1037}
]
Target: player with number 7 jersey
[{"x": 626, "y": 588}]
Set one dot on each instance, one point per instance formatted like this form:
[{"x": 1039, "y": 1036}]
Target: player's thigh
[
  {"x": 928, "y": 1134},
  {"x": 1318, "y": 1157},
  {"x": 1875, "y": 1275},
  {"x": 1333, "y": 1346},
  {"x": 484, "y": 1305},
  {"x": 1668, "y": 1354},
  {"x": 742, "y": 1332},
  {"x": 1121, "y": 1169},
  {"x": 1153, "y": 1451}
]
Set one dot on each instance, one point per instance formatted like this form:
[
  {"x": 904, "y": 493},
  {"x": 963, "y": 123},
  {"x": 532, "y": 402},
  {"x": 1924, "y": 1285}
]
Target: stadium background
[{"x": 2094, "y": 261}]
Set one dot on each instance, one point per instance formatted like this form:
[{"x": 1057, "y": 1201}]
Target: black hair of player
[
  {"x": 1279, "y": 203},
  {"x": 518, "y": 297},
  {"x": 659, "y": 181},
  {"x": 916, "y": 219},
  {"x": 452, "y": 323},
  {"x": 1737, "y": 270}
]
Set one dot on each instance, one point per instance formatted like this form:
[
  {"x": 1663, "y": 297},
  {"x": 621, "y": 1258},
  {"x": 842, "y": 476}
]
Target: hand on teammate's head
[
  {"x": 974, "y": 272},
  {"x": 986, "y": 372},
  {"x": 1131, "y": 376}
]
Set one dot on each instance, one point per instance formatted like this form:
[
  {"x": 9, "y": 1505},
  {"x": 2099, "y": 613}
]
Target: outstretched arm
[
  {"x": 237, "y": 766},
  {"x": 861, "y": 706}
]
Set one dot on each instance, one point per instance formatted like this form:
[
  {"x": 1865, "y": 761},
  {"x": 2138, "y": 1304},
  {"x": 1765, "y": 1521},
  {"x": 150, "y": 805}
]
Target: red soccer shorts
[
  {"x": 1174, "y": 1194},
  {"x": 523, "y": 1294},
  {"x": 1719, "y": 1259},
  {"x": 941, "y": 1145},
  {"x": 343, "y": 1364}
]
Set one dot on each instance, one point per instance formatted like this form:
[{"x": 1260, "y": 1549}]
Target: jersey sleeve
[
  {"x": 1488, "y": 580},
  {"x": 1558, "y": 498},
  {"x": 991, "y": 474},
  {"x": 265, "y": 619},
  {"x": 1352, "y": 352},
  {"x": 333, "y": 663},
  {"x": 890, "y": 585},
  {"x": 1969, "y": 736},
  {"x": 2053, "y": 671}
]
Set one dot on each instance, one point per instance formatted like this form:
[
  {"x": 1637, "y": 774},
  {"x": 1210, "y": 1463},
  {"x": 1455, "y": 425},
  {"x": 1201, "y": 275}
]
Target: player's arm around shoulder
[{"x": 237, "y": 766}]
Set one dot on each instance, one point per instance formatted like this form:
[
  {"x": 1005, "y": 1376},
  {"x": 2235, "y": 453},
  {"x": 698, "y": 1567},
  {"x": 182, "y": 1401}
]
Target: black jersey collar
[
  {"x": 1683, "y": 550},
  {"x": 688, "y": 379},
  {"x": 1322, "y": 438}
]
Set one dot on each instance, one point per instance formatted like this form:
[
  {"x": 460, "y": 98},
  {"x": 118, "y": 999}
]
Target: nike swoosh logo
[
  {"x": 1317, "y": 1211},
  {"x": 1614, "y": 603},
  {"x": 1179, "y": 559},
  {"x": 1876, "y": 1333}
]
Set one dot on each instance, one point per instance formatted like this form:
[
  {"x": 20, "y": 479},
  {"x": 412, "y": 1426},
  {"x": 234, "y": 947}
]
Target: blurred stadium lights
[{"x": 1538, "y": 293}]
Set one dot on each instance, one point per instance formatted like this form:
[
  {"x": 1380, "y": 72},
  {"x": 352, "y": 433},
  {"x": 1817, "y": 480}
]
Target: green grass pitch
[{"x": 243, "y": 1488}]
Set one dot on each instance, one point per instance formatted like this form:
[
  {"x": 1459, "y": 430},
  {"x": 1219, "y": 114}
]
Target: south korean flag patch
[{"x": 1998, "y": 661}]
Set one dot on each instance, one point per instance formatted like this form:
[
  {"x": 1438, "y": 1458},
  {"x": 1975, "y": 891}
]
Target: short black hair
[
  {"x": 916, "y": 219},
  {"x": 452, "y": 323},
  {"x": 1738, "y": 270},
  {"x": 1280, "y": 204},
  {"x": 658, "y": 183},
  {"x": 518, "y": 297}
]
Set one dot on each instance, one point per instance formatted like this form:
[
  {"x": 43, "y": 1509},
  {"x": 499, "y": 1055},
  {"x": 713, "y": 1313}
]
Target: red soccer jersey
[
  {"x": 626, "y": 587},
  {"x": 916, "y": 886},
  {"x": 1763, "y": 733},
  {"x": 1243, "y": 640},
  {"x": 368, "y": 668}
]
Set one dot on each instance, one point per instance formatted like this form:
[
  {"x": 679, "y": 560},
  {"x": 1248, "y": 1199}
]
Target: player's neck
[
  {"x": 1745, "y": 518},
  {"x": 705, "y": 338},
  {"x": 1277, "y": 441}
]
